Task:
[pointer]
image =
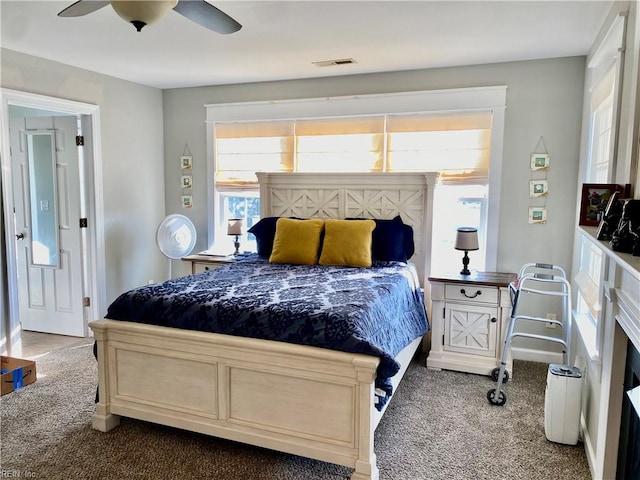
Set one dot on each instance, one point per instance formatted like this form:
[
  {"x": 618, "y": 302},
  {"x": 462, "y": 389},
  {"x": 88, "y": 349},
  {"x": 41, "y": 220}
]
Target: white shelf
[{"x": 626, "y": 261}]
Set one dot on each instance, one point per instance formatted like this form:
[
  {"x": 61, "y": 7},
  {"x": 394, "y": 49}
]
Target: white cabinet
[
  {"x": 470, "y": 315},
  {"x": 470, "y": 329}
]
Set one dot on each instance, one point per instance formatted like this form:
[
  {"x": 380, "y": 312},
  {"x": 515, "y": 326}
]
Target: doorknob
[{"x": 20, "y": 236}]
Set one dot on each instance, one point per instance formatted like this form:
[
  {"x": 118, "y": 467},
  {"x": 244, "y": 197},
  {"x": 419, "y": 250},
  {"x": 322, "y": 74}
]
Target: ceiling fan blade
[
  {"x": 207, "y": 15},
  {"x": 80, "y": 8}
]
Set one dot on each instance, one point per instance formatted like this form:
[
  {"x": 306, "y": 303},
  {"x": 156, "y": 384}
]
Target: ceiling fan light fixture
[{"x": 141, "y": 13}]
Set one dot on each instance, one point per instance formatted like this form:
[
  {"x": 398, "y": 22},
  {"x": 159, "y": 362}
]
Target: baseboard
[
  {"x": 589, "y": 448},
  {"x": 541, "y": 356}
]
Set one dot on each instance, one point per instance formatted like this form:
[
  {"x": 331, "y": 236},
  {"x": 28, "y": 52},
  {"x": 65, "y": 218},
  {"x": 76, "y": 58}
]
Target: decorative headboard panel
[{"x": 361, "y": 195}]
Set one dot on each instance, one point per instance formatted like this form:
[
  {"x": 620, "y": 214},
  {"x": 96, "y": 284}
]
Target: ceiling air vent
[{"x": 331, "y": 63}]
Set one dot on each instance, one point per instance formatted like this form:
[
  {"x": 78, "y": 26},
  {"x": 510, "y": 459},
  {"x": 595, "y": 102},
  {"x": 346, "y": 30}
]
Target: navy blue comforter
[{"x": 376, "y": 311}]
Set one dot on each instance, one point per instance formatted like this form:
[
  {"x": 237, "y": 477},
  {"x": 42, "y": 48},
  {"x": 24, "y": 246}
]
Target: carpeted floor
[{"x": 438, "y": 426}]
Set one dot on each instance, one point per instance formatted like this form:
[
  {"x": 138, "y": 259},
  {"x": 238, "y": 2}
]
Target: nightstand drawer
[
  {"x": 201, "y": 263},
  {"x": 471, "y": 293},
  {"x": 202, "y": 267}
]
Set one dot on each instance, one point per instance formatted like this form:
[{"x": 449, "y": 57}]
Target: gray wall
[
  {"x": 132, "y": 160},
  {"x": 544, "y": 98}
]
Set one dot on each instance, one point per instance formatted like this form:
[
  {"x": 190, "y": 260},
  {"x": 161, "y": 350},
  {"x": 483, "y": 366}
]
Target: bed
[{"x": 260, "y": 391}]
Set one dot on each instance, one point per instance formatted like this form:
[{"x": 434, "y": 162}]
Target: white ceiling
[{"x": 280, "y": 39}]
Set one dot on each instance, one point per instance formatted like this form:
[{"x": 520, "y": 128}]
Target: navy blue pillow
[
  {"x": 409, "y": 246},
  {"x": 389, "y": 240},
  {"x": 264, "y": 231}
]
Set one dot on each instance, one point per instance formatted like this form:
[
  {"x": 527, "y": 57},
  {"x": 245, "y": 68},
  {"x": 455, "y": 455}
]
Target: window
[
  {"x": 603, "y": 97},
  {"x": 600, "y": 153},
  {"x": 466, "y": 206},
  {"x": 603, "y": 79},
  {"x": 323, "y": 145},
  {"x": 588, "y": 282},
  {"x": 240, "y": 204},
  {"x": 457, "y": 143},
  {"x": 241, "y": 150}
]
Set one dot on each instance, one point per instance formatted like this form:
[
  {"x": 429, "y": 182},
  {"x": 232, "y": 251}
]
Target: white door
[{"x": 46, "y": 189}]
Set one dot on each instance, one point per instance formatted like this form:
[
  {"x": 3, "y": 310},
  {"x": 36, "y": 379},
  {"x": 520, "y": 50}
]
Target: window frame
[
  {"x": 430, "y": 101},
  {"x": 607, "y": 56},
  {"x": 226, "y": 247}
]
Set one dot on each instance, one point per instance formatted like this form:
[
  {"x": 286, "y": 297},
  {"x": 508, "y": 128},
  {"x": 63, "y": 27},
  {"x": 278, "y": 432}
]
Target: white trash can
[{"x": 562, "y": 404}]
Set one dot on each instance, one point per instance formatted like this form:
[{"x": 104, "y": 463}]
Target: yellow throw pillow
[
  {"x": 297, "y": 241},
  {"x": 347, "y": 242}
]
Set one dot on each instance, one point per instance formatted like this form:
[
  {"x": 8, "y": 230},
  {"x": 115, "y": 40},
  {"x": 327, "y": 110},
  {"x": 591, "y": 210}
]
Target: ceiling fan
[{"x": 141, "y": 13}]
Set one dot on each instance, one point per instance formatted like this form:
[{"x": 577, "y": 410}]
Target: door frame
[{"x": 94, "y": 256}]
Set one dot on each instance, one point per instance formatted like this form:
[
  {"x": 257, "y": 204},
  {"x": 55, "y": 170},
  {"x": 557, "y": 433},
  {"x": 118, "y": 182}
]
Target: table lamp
[
  {"x": 467, "y": 240},
  {"x": 234, "y": 227}
]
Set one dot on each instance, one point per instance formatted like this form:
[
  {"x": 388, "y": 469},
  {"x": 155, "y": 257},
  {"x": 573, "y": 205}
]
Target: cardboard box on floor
[{"x": 16, "y": 373}]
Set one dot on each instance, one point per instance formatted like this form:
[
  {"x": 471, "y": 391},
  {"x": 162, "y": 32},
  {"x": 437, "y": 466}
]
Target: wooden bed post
[
  {"x": 103, "y": 419},
  {"x": 366, "y": 467}
]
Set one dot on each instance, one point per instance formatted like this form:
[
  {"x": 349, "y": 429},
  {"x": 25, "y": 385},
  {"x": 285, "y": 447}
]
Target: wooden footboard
[{"x": 307, "y": 401}]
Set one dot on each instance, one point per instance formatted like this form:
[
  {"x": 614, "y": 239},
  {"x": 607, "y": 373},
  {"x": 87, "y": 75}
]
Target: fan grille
[{"x": 176, "y": 236}]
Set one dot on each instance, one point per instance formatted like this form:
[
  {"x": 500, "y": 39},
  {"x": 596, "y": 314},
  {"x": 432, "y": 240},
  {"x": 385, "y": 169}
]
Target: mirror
[{"x": 43, "y": 198}]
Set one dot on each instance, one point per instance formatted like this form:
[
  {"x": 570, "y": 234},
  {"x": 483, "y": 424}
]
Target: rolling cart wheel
[
  {"x": 500, "y": 400},
  {"x": 496, "y": 372}
]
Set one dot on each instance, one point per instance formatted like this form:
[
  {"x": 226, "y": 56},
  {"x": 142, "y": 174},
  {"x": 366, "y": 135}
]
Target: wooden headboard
[{"x": 356, "y": 195}]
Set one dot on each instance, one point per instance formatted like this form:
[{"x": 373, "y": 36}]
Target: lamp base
[
  {"x": 465, "y": 264},
  {"x": 237, "y": 245}
]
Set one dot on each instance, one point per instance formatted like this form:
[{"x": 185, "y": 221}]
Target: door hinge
[
  {"x": 80, "y": 140},
  {"x": 443, "y": 310},
  {"x": 86, "y": 302},
  {"x": 83, "y": 223},
  {"x": 442, "y": 339}
]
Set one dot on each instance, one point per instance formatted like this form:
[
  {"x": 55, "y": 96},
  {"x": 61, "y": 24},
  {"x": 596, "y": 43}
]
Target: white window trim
[
  {"x": 429, "y": 101},
  {"x": 609, "y": 51}
]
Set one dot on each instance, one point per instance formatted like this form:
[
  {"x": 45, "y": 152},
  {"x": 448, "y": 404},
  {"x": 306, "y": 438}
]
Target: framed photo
[
  {"x": 186, "y": 181},
  {"x": 187, "y": 201},
  {"x": 538, "y": 188},
  {"x": 539, "y": 161},
  {"x": 610, "y": 217},
  {"x": 594, "y": 201},
  {"x": 186, "y": 161},
  {"x": 537, "y": 214}
]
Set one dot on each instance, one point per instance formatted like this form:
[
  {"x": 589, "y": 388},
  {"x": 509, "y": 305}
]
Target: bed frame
[{"x": 262, "y": 392}]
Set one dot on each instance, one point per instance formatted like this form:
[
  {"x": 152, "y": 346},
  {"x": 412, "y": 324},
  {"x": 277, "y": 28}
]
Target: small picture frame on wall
[
  {"x": 186, "y": 161},
  {"x": 538, "y": 188},
  {"x": 186, "y": 181},
  {"x": 537, "y": 214},
  {"x": 540, "y": 161},
  {"x": 594, "y": 201},
  {"x": 187, "y": 201}
]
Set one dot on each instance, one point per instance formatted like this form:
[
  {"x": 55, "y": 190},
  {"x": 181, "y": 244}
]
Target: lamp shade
[
  {"x": 142, "y": 13},
  {"x": 234, "y": 226},
  {"x": 467, "y": 239}
]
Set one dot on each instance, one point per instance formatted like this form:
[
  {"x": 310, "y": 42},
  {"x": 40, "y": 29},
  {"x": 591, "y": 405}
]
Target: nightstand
[
  {"x": 470, "y": 315},
  {"x": 201, "y": 263}
]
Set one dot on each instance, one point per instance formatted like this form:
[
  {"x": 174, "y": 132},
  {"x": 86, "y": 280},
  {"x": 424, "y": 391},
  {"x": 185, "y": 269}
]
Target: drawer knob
[
  {"x": 206, "y": 268},
  {"x": 494, "y": 319},
  {"x": 463, "y": 292}
]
